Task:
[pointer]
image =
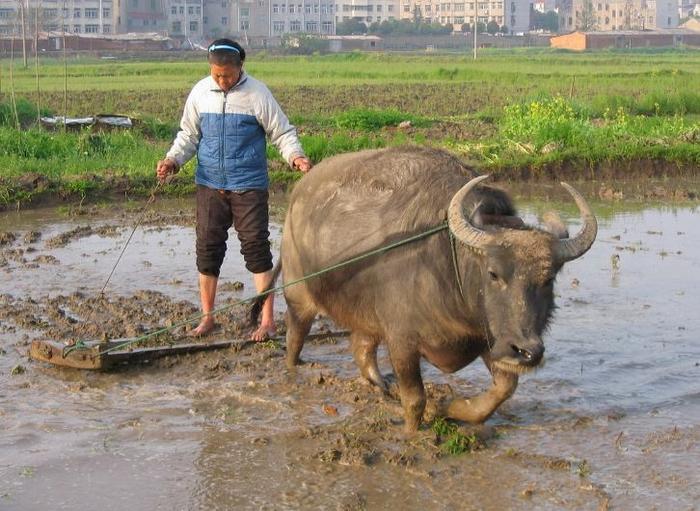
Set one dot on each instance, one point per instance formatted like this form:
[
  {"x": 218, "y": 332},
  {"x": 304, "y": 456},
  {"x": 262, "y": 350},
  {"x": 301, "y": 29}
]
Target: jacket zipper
[{"x": 222, "y": 154}]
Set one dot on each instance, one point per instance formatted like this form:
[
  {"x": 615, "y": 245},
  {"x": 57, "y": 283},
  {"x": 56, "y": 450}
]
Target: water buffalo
[{"x": 410, "y": 296}]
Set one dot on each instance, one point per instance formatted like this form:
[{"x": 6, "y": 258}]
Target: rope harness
[{"x": 80, "y": 345}]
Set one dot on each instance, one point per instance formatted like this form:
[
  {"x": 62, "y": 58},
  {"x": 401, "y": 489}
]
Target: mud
[{"x": 611, "y": 421}]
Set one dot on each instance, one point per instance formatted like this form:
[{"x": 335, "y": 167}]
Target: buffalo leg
[
  {"x": 364, "y": 350},
  {"x": 479, "y": 408},
  {"x": 298, "y": 326},
  {"x": 407, "y": 369}
]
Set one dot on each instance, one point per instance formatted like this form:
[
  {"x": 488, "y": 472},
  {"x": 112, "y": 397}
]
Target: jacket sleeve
[
  {"x": 187, "y": 140},
  {"x": 278, "y": 128}
]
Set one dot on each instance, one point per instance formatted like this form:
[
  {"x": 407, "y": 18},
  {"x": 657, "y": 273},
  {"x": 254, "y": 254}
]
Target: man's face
[{"x": 225, "y": 76}]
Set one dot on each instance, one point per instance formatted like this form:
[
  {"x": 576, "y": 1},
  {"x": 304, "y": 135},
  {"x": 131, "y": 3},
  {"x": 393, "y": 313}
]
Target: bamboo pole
[
  {"x": 24, "y": 34},
  {"x": 65, "y": 67},
  {"x": 12, "y": 81},
  {"x": 36, "y": 61}
]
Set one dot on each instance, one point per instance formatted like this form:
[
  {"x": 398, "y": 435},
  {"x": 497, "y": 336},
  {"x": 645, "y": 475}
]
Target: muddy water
[{"x": 611, "y": 420}]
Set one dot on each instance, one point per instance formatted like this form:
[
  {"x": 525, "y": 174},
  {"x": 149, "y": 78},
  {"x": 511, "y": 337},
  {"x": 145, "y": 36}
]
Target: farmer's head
[{"x": 225, "y": 62}]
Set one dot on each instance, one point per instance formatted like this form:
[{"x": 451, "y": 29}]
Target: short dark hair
[{"x": 223, "y": 52}]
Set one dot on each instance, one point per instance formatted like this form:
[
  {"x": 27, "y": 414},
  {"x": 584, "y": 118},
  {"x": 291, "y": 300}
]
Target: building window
[
  {"x": 327, "y": 27},
  {"x": 427, "y": 8},
  {"x": 278, "y": 27},
  {"x": 291, "y": 9},
  {"x": 91, "y": 29},
  {"x": 182, "y": 10},
  {"x": 193, "y": 26},
  {"x": 311, "y": 26},
  {"x": 198, "y": 10},
  {"x": 90, "y": 13},
  {"x": 406, "y": 8},
  {"x": 245, "y": 12},
  {"x": 145, "y": 23},
  {"x": 245, "y": 25},
  {"x": 307, "y": 9},
  {"x": 295, "y": 26},
  {"x": 190, "y": 10},
  {"x": 177, "y": 27},
  {"x": 390, "y": 8},
  {"x": 106, "y": 29},
  {"x": 315, "y": 8},
  {"x": 76, "y": 29},
  {"x": 224, "y": 20},
  {"x": 323, "y": 9},
  {"x": 76, "y": 13},
  {"x": 275, "y": 8},
  {"x": 379, "y": 7}
]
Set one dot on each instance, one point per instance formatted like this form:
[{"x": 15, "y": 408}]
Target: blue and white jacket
[{"x": 227, "y": 131}]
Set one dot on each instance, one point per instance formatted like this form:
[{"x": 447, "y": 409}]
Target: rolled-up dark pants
[{"x": 247, "y": 211}]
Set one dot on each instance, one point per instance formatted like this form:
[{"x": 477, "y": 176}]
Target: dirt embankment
[{"x": 41, "y": 192}]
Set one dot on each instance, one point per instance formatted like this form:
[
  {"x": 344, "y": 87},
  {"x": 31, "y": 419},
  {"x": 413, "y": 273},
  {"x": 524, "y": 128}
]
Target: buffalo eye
[{"x": 493, "y": 276}]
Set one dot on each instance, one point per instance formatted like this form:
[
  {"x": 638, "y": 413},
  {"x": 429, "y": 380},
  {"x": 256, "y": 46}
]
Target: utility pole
[{"x": 476, "y": 23}]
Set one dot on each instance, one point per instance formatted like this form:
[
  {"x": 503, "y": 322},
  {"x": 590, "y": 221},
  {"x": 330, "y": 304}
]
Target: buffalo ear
[{"x": 554, "y": 225}]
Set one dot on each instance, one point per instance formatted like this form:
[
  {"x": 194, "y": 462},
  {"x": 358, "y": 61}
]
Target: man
[{"x": 225, "y": 121}]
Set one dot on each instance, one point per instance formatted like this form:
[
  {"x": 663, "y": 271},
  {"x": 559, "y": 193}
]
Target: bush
[
  {"x": 365, "y": 119},
  {"x": 26, "y": 113}
]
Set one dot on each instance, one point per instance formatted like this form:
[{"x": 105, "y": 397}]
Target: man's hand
[
  {"x": 165, "y": 168},
  {"x": 302, "y": 163}
]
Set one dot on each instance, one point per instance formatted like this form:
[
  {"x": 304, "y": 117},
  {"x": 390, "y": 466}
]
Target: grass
[{"x": 524, "y": 108}]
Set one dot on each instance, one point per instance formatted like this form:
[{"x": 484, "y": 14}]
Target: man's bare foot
[
  {"x": 266, "y": 330},
  {"x": 206, "y": 326}
]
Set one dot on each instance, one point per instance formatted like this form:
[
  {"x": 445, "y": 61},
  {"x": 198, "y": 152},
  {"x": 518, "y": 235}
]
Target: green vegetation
[
  {"x": 452, "y": 440},
  {"x": 518, "y": 109}
]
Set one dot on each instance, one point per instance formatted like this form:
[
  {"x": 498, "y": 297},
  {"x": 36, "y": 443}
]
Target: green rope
[
  {"x": 79, "y": 345},
  {"x": 333, "y": 267}
]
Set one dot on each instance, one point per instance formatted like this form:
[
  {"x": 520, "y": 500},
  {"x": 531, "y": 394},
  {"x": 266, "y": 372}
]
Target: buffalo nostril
[{"x": 527, "y": 355}]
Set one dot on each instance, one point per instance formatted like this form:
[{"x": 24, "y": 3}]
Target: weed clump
[{"x": 451, "y": 440}]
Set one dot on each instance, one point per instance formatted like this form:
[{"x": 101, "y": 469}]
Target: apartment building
[
  {"x": 612, "y": 15},
  {"x": 367, "y": 11},
  {"x": 72, "y": 16},
  {"x": 514, "y": 14},
  {"x": 309, "y": 16},
  {"x": 141, "y": 16}
]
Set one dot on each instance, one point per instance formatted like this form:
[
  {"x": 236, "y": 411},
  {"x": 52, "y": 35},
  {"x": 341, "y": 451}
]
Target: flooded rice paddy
[{"x": 612, "y": 420}]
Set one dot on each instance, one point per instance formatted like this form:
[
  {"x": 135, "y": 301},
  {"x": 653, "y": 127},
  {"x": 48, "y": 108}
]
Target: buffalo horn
[
  {"x": 460, "y": 225},
  {"x": 569, "y": 249}
]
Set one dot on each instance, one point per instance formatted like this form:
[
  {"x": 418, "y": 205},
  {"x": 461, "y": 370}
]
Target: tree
[
  {"x": 350, "y": 27},
  {"x": 548, "y": 21},
  {"x": 407, "y": 27},
  {"x": 303, "y": 44},
  {"x": 504, "y": 30},
  {"x": 492, "y": 27},
  {"x": 466, "y": 28},
  {"x": 588, "y": 21}
]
